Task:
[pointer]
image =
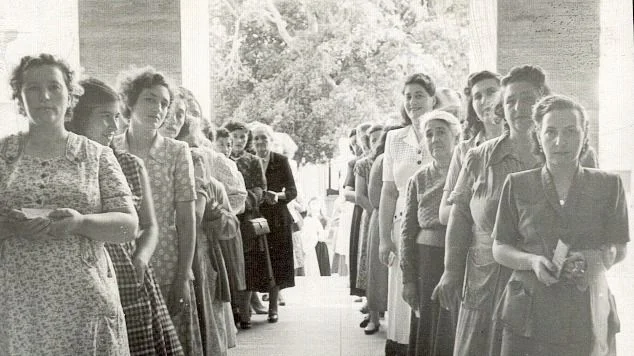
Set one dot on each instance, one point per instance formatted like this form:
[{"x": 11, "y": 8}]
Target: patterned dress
[
  {"x": 171, "y": 173},
  {"x": 362, "y": 169},
  {"x": 150, "y": 328},
  {"x": 59, "y": 296}
]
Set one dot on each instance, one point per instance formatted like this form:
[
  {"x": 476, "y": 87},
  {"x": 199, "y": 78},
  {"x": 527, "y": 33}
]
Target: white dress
[
  {"x": 403, "y": 157},
  {"x": 312, "y": 233}
]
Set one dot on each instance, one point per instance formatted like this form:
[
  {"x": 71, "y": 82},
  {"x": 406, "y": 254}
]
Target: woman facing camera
[
  {"x": 149, "y": 326},
  {"x": 560, "y": 227},
  {"x": 147, "y": 97},
  {"x": 61, "y": 197},
  {"x": 423, "y": 245}
]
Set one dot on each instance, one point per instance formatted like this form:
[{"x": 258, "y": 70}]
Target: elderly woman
[
  {"x": 481, "y": 124},
  {"x": 255, "y": 183},
  {"x": 468, "y": 256},
  {"x": 404, "y": 155},
  {"x": 281, "y": 190},
  {"x": 61, "y": 197},
  {"x": 560, "y": 227},
  {"x": 147, "y": 97},
  {"x": 149, "y": 326},
  {"x": 423, "y": 245}
]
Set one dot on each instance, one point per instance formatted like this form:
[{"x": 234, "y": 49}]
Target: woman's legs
[
  {"x": 244, "y": 305},
  {"x": 273, "y": 296}
]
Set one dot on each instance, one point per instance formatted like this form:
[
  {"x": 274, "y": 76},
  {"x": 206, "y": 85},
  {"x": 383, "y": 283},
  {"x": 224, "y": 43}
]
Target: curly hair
[
  {"x": 551, "y": 103},
  {"x": 474, "y": 125},
  {"x": 232, "y": 126},
  {"x": 16, "y": 81},
  {"x": 532, "y": 74},
  {"x": 96, "y": 93},
  {"x": 423, "y": 80},
  {"x": 132, "y": 82}
]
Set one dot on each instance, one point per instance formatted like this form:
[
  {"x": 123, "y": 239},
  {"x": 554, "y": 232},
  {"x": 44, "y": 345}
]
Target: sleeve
[
  {"x": 113, "y": 187},
  {"x": 454, "y": 169},
  {"x": 200, "y": 175},
  {"x": 463, "y": 188},
  {"x": 409, "y": 232},
  {"x": 376, "y": 182},
  {"x": 388, "y": 172},
  {"x": 617, "y": 220},
  {"x": 505, "y": 230},
  {"x": 184, "y": 181},
  {"x": 290, "y": 189},
  {"x": 349, "y": 182}
]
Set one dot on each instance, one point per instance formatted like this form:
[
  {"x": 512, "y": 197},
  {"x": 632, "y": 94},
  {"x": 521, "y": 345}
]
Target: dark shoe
[
  {"x": 245, "y": 325},
  {"x": 365, "y": 322},
  {"x": 272, "y": 317},
  {"x": 371, "y": 328},
  {"x": 265, "y": 297}
]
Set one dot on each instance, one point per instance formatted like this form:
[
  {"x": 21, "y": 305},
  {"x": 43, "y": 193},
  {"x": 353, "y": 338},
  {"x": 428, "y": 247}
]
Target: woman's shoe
[
  {"x": 280, "y": 300},
  {"x": 272, "y": 317},
  {"x": 245, "y": 325},
  {"x": 365, "y": 322},
  {"x": 371, "y": 328},
  {"x": 265, "y": 297}
]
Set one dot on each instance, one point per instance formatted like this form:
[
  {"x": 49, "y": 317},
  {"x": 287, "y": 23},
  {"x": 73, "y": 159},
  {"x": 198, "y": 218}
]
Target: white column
[{"x": 195, "y": 50}]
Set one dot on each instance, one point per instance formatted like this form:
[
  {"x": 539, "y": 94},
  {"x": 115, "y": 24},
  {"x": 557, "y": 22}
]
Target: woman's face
[
  {"x": 439, "y": 139},
  {"x": 239, "y": 138},
  {"x": 223, "y": 145},
  {"x": 518, "y": 101},
  {"x": 374, "y": 139},
  {"x": 261, "y": 141},
  {"x": 561, "y": 136},
  {"x": 173, "y": 124},
  {"x": 483, "y": 97},
  {"x": 417, "y": 100},
  {"x": 362, "y": 142},
  {"x": 354, "y": 145},
  {"x": 151, "y": 107},
  {"x": 102, "y": 123},
  {"x": 44, "y": 95}
]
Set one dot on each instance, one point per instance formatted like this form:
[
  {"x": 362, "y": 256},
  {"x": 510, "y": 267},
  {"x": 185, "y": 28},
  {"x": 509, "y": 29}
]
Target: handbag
[{"x": 258, "y": 226}]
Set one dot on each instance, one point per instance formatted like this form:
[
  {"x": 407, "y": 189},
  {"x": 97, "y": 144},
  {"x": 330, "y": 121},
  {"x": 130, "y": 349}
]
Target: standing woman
[
  {"x": 468, "y": 255},
  {"x": 147, "y": 97},
  {"x": 566, "y": 309},
  {"x": 281, "y": 190},
  {"x": 150, "y": 328},
  {"x": 55, "y": 273},
  {"x": 251, "y": 168},
  {"x": 423, "y": 245},
  {"x": 481, "y": 124},
  {"x": 403, "y": 156}
]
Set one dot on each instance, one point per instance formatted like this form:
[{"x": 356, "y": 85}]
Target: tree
[{"x": 315, "y": 68}]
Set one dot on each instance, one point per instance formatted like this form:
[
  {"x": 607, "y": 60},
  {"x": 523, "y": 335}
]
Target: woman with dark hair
[
  {"x": 147, "y": 97},
  {"x": 403, "y": 156},
  {"x": 255, "y": 182},
  {"x": 481, "y": 124},
  {"x": 560, "y": 227},
  {"x": 148, "y": 322},
  {"x": 62, "y": 196},
  {"x": 468, "y": 256}
]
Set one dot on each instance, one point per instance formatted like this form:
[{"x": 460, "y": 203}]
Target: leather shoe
[
  {"x": 365, "y": 322},
  {"x": 371, "y": 328},
  {"x": 245, "y": 325},
  {"x": 272, "y": 317}
]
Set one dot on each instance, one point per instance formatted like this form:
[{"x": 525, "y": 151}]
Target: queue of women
[
  {"x": 486, "y": 236},
  {"x": 127, "y": 221},
  {"x": 124, "y": 227}
]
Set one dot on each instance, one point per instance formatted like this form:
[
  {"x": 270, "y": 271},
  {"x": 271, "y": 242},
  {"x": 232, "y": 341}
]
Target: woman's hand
[
  {"x": 32, "y": 229},
  {"x": 574, "y": 266},
  {"x": 64, "y": 222},
  {"x": 448, "y": 291},
  {"x": 140, "y": 267},
  {"x": 410, "y": 295},
  {"x": 270, "y": 197},
  {"x": 608, "y": 255},
  {"x": 180, "y": 298},
  {"x": 544, "y": 270},
  {"x": 384, "y": 251}
]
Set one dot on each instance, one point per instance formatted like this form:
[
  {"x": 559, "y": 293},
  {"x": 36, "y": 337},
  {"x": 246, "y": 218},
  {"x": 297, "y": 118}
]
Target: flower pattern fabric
[{"x": 69, "y": 280}]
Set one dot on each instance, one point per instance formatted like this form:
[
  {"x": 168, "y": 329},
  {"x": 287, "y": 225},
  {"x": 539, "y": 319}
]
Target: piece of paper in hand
[
  {"x": 36, "y": 213},
  {"x": 391, "y": 258},
  {"x": 560, "y": 255}
]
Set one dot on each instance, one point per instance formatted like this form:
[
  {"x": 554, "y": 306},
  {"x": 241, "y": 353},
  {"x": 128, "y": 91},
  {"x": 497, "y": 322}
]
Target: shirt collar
[
  {"x": 410, "y": 138},
  {"x": 502, "y": 147},
  {"x": 74, "y": 151},
  {"x": 157, "y": 149}
]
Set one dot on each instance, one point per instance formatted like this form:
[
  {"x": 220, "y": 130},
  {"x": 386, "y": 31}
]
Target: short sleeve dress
[{"x": 59, "y": 296}]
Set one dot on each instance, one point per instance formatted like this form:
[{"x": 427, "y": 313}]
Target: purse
[{"x": 259, "y": 226}]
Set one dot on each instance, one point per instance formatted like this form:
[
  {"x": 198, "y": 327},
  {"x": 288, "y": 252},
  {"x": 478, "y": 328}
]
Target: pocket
[
  {"x": 516, "y": 308},
  {"x": 480, "y": 278}
]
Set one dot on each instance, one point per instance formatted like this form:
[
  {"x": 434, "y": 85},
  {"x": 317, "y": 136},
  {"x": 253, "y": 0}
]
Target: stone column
[{"x": 172, "y": 36}]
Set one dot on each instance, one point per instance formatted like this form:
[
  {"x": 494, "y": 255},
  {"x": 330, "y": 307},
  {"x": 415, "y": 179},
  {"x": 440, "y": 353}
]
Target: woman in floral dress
[{"x": 59, "y": 291}]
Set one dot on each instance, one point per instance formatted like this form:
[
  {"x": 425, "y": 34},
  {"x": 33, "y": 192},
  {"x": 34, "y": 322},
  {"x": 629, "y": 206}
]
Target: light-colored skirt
[{"x": 398, "y": 311}]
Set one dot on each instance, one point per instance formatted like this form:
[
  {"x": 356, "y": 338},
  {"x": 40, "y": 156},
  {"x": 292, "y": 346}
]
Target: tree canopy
[{"x": 315, "y": 68}]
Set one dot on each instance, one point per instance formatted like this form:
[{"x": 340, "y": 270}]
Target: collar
[
  {"x": 75, "y": 148},
  {"x": 479, "y": 138},
  {"x": 550, "y": 191},
  {"x": 158, "y": 149},
  {"x": 410, "y": 137},
  {"x": 502, "y": 147}
]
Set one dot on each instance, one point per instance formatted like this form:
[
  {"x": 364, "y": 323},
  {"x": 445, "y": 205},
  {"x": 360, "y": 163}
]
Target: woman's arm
[
  {"x": 387, "y": 207},
  {"x": 409, "y": 233},
  {"x": 290, "y": 190},
  {"x": 361, "y": 194},
  {"x": 117, "y": 225},
  {"x": 148, "y": 226},
  {"x": 452, "y": 176},
  {"x": 186, "y": 227}
]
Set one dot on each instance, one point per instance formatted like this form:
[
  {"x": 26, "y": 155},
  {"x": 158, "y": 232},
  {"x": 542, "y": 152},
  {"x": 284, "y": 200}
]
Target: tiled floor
[{"x": 320, "y": 318}]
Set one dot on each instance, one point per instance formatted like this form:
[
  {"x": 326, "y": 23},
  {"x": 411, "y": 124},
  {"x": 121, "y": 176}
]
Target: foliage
[{"x": 316, "y": 68}]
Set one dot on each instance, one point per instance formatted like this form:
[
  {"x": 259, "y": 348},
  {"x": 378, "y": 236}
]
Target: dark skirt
[
  {"x": 432, "y": 333},
  {"x": 323, "y": 258},
  {"x": 233, "y": 255},
  {"x": 354, "y": 250},
  {"x": 149, "y": 326}
]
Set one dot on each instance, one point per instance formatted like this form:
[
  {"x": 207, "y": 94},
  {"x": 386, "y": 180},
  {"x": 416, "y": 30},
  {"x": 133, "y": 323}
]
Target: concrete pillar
[
  {"x": 170, "y": 35},
  {"x": 563, "y": 37}
]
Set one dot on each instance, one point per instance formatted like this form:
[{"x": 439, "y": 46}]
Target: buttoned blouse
[
  {"x": 403, "y": 156},
  {"x": 171, "y": 173},
  {"x": 458, "y": 157}
]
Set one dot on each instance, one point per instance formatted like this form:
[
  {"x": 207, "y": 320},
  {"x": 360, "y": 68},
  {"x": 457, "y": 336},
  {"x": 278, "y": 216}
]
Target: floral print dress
[{"x": 59, "y": 295}]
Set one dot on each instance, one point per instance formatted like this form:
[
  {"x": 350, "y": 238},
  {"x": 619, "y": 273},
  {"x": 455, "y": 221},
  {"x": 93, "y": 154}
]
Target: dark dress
[
  {"x": 280, "y": 241},
  {"x": 355, "y": 228}
]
